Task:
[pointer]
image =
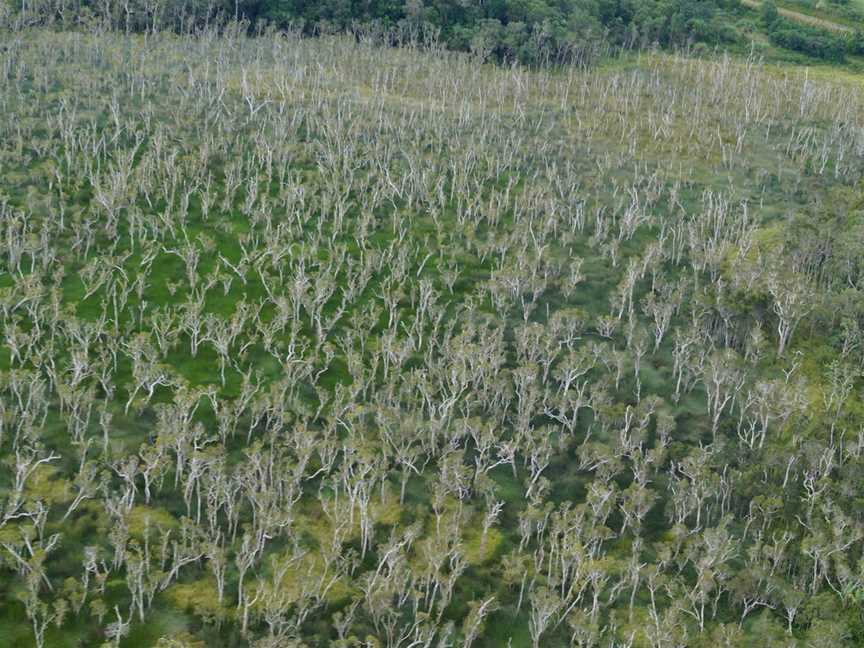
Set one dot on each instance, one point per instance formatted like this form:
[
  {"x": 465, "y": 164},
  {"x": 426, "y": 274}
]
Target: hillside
[{"x": 317, "y": 342}]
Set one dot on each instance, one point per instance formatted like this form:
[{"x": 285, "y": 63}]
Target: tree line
[
  {"x": 530, "y": 32},
  {"x": 535, "y": 33}
]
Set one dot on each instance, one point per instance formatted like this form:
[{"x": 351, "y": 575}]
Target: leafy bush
[
  {"x": 814, "y": 42},
  {"x": 856, "y": 43}
]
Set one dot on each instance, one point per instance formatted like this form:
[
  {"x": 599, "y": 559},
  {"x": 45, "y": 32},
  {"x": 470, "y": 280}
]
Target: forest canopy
[
  {"x": 520, "y": 29},
  {"x": 532, "y": 32}
]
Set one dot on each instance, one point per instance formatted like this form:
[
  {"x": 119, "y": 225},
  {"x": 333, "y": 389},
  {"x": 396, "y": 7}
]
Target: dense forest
[
  {"x": 532, "y": 32},
  {"x": 330, "y": 329}
]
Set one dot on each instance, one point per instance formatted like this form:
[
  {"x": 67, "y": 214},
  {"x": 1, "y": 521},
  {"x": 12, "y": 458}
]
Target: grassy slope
[{"x": 586, "y": 130}]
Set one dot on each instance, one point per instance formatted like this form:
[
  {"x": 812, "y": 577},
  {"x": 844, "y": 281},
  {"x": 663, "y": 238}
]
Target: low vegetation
[{"x": 322, "y": 342}]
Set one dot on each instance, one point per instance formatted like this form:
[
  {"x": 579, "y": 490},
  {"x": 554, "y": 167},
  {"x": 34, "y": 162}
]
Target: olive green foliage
[
  {"x": 536, "y": 32},
  {"x": 815, "y": 42},
  {"x": 518, "y": 30}
]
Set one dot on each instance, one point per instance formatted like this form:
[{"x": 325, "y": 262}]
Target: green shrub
[{"x": 811, "y": 42}]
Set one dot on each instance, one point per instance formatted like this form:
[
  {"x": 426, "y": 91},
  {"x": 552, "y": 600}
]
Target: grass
[{"x": 440, "y": 163}]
